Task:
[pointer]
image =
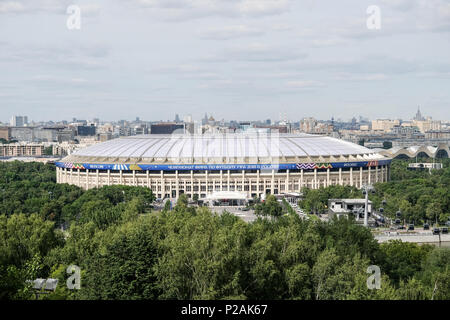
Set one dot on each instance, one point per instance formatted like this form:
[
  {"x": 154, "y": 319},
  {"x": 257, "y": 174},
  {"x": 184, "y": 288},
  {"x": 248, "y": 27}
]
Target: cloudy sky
[{"x": 235, "y": 59}]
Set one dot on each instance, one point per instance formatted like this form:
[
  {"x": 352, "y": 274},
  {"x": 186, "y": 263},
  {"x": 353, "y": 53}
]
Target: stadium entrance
[{"x": 227, "y": 199}]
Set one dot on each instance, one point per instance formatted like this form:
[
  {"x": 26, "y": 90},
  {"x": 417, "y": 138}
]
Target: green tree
[{"x": 269, "y": 208}]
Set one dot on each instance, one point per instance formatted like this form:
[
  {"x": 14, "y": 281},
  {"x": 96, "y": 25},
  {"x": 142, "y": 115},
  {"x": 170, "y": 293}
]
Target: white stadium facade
[{"x": 248, "y": 164}]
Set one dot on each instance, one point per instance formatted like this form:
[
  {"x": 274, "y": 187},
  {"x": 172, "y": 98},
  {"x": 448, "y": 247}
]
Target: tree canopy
[{"x": 125, "y": 251}]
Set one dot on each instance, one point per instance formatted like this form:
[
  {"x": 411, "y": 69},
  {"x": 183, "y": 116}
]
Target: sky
[{"x": 233, "y": 59}]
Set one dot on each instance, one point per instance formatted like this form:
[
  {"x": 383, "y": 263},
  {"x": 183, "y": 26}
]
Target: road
[{"x": 420, "y": 237}]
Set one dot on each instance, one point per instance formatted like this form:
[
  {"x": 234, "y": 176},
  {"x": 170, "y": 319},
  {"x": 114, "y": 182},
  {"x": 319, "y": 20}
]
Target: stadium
[{"x": 234, "y": 166}]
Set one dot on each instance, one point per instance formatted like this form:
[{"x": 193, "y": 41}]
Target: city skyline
[
  {"x": 189, "y": 118},
  {"x": 243, "y": 59}
]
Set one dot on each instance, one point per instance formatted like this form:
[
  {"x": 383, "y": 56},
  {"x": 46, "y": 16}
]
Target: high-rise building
[
  {"x": 166, "y": 128},
  {"x": 205, "y": 119},
  {"x": 419, "y": 116},
  {"x": 19, "y": 121},
  {"x": 188, "y": 118},
  {"x": 86, "y": 130},
  {"x": 384, "y": 125}
]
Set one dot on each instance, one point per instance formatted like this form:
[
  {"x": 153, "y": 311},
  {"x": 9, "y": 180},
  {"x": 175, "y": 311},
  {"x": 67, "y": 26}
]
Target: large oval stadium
[{"x": 200, "y": 165}]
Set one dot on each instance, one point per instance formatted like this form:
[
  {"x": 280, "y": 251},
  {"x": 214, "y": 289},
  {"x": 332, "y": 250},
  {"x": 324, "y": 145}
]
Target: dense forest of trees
[{"x": 126, "y": 251}]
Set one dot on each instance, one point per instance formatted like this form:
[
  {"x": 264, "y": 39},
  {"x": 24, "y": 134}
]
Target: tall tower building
[{"x": 419, "y": 116}]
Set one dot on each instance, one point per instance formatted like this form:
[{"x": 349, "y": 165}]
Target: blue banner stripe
[{"x": 209, "y": 167}]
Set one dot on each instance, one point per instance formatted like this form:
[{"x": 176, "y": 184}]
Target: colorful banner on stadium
[{"x": 211, "y": 167}]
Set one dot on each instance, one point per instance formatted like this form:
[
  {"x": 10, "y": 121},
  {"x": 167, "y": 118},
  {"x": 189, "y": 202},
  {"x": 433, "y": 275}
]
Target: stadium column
[
  {"x": 192, "y": 183},
  {"x": 79, "y": 178},
  {"x": 98, "y": 178},
  {"x": 71, "y": 178},
  {"x": 369, "y": 178},
  {"x": 148, "y": 179},
  {"x": 286, "y": 188},
  {"x": 221, "y": 180},
  {"x": 163, "y": 186},
  {"x": 301, "y": 181},
  {"x": 315, "y": 179},
  {"x": 177, "y": 191},
  {"x": 228, "y": 177},
  {"x": 206, "y": 181},
  {"x": 351, "y": 176},
  {"x": 382, "y": 173},
  {"x": 360, "y": 176},
  {"x": 134, "y": 177},
  {"x": 272, "y": 184},
  {"x": 328, "y": 177},
  {"x": 243, "y": 180},
  {"x": 121, "y": 176},
  {"x": 87, "y": 179},
  {"x": 257, "y": 182},
  {"x": 376, "y": 173},
  {"x": 340, "y": 176},
  {"x": 109, "y": 177}
]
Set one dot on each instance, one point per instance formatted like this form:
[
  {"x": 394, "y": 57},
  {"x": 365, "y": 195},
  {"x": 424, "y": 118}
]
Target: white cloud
[
  {"x": 263, "y": 7},
  {"x": 54, "y": 6},
  {"x": 231, "y": 32},
  {"x": 259, "y": 52},
  {"x": 90, "y": 10},
  {"x": 25, "y": 6},
  {"x": 303, "y": 84},
  {"x": 193, "y": 9},
  {"x": 11, "y": 7},
  {"x": 361, "y": 77},
  {"x": 399, "y": 4}
]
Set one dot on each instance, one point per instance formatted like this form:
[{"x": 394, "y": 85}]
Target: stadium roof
[{"x": 220, "y": 148}]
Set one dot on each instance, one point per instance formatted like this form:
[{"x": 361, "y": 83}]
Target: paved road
[{"x": 422, "y": 237}]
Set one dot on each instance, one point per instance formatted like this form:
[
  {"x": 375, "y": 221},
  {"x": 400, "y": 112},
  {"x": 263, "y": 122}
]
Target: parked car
[
  {"x": 410, "y": 227},
  {"x": 401, "y": 227},
  {"x": 426, "y": 226},
  {"x": 436, "y": 231},
  {"x": 444, "y": 230},
  {"x": 397, "y": 221}
]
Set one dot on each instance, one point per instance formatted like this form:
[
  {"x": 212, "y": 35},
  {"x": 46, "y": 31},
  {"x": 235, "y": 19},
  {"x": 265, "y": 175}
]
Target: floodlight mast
[{"x": 366, "y": 189}]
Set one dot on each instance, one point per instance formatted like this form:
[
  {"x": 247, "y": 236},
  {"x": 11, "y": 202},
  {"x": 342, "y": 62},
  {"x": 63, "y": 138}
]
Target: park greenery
[
  {"x": 127, "y": 251},
  {"x": 419, "y": 195}
]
